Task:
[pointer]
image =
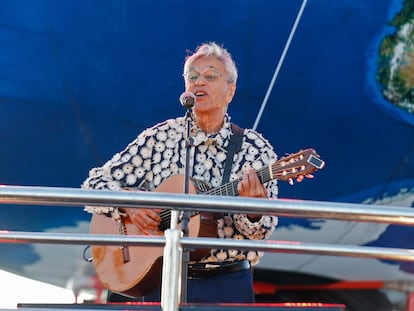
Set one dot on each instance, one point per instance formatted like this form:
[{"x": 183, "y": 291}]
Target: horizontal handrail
[
  {"x": 191, "y": 202},
  {"x": 200, "y": 242},
  {"x": 287, "y": 208}
]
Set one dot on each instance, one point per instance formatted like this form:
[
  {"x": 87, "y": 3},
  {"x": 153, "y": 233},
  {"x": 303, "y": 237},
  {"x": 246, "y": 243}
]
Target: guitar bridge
[
  {"x": 125, "y": 254},
  {"x": 124, "y": 249}
]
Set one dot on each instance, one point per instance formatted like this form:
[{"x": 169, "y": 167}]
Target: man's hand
[
  {"x": 250, "y": 186},
  {"x": 300, "y": 178},
  {"x": 146, "y": 220}
]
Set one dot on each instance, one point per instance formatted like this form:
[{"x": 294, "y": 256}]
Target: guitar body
[{"x": 136, "y": 270}]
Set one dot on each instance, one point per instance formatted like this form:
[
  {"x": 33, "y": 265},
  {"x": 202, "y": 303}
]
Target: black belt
[{"x": 208, "y": 270}]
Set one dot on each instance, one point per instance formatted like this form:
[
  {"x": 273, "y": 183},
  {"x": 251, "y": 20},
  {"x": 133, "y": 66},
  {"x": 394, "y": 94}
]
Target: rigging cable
[{"x": 279, "y": 65}]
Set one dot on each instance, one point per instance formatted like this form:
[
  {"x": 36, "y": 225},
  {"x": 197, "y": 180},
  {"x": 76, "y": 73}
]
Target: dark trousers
[{"x": 234, "y": 287}]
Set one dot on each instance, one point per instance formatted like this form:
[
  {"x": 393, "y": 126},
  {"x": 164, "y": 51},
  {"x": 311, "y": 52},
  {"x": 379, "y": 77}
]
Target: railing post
[{"x": 171, "y": 271}]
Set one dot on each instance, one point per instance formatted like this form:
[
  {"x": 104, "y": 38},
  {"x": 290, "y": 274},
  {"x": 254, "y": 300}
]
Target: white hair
[{"x": 219, "y": 52}]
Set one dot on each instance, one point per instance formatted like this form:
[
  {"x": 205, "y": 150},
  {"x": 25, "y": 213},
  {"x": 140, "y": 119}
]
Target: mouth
[{"x": 200, "y": 94}]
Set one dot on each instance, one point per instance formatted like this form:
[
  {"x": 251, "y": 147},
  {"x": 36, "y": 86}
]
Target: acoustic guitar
[{"x": 136, "y": 270}]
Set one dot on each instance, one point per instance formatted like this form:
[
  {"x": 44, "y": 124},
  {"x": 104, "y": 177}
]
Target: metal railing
[{"x": 25, "y": 195}]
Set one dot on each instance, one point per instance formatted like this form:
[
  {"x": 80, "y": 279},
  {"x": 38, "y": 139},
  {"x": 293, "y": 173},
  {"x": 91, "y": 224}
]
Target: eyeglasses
[{"x": 208, "y": 75}]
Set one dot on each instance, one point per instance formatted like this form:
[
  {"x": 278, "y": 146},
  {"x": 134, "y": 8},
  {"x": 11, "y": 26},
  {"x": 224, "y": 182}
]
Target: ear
[{"x": 231, "y": 90}]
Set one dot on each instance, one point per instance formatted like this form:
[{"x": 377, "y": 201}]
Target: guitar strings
[{"x": 228, "y": 189}]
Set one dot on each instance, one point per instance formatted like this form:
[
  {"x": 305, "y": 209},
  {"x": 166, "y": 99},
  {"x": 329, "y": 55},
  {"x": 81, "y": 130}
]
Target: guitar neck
[
  {"x": 291, "y": 166},
  {"x": 230, "y": 189}
]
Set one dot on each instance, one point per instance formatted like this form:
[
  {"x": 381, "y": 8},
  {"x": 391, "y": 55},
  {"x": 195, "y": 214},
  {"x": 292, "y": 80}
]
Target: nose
[{"x": 200, "y": 80}]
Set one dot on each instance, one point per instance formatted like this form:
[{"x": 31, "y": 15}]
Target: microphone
[{"x": 187, "y": 99}]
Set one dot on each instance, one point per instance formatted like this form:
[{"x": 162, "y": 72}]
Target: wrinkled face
[{"x": 207, "y": 78}]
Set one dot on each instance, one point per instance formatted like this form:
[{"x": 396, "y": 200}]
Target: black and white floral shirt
[{"x": 159, "y": 152}]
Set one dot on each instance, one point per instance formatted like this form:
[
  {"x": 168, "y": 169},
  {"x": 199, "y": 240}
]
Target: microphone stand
[{"x": 186, "y": 214}]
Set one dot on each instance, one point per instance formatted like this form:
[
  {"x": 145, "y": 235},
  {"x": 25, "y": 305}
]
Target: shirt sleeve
[
  {"x": 256, "y": 153},
  {"x": 259, "y": 230},
  {"x": 112, "y": 176},
  {"x": 99, "y": 180}
]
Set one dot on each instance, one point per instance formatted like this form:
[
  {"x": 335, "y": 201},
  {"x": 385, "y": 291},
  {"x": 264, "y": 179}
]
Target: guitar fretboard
[{"x": 230, "y": 189}]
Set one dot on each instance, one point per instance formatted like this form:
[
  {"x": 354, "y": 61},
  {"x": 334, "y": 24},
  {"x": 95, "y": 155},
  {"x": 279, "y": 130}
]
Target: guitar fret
[
  {"x": 271, "y": 177},
  {"x": 234, "y": 190},
  {"x": 231, "y": 191}
]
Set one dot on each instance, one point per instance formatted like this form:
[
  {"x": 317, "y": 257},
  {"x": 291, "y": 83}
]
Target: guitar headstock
[{"x": 293, "y": 165}]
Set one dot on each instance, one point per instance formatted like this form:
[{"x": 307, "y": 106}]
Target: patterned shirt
[{"x": 159, "y": 152}]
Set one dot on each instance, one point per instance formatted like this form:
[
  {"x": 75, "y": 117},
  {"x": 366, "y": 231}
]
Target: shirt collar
[{"x": 220, "y": 138}]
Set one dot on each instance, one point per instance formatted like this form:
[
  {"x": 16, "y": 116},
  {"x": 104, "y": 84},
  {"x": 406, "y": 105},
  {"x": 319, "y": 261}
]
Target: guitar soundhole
[
  {"x": 163, "y": 227},
  {"x": 165, "y": 220}
]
